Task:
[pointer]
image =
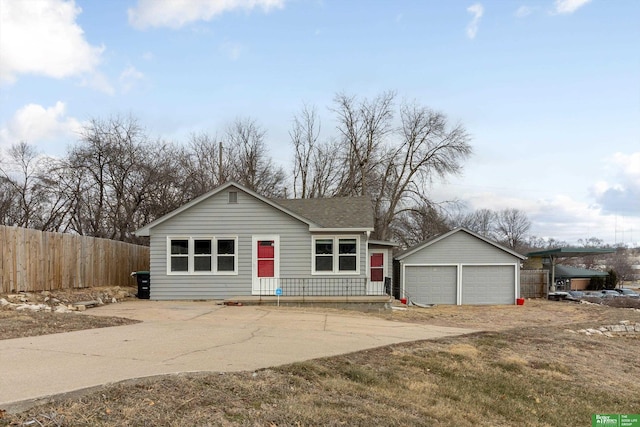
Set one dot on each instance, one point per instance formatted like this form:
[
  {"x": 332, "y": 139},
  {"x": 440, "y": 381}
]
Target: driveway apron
[{"x": 179, "y": 336}]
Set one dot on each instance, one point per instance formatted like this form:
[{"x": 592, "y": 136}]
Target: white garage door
[
  {"x": 432, "y": 284},
  {"x": 492, "y": 284}
]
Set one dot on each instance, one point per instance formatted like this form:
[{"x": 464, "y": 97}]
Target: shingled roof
[
  {"x": 335, "y": 212},
  {"x": 339, "y": 213}
]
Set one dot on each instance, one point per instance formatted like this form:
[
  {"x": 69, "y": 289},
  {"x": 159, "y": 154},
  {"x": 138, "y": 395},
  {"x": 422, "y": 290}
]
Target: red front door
[
  {"x": 266, "y": 258},
  {"x": 377, "y": 267}
]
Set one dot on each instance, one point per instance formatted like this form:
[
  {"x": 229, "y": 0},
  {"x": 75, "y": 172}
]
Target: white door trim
[
  {"x": 375, "y": 288},
  {"x": 255, "y": 281}
]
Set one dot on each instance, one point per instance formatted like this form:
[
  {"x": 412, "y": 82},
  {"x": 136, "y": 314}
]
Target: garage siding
[
  {"x": 488, "y": 284},
  {"x": 478, "y": 271},
  {"x": 431, "y": 284}
]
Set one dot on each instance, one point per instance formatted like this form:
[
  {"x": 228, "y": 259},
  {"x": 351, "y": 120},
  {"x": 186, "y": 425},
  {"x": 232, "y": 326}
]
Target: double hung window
[
  {"x": 335, "y": 255},
  {"x": 202, "y": 255}
]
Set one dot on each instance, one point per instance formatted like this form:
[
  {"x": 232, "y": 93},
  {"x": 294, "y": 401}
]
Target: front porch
[{"x": 316, "y": 287}]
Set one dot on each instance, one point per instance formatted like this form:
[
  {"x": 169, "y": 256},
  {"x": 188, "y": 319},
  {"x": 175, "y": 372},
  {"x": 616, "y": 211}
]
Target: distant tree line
[{"x": 115, "y": 178}]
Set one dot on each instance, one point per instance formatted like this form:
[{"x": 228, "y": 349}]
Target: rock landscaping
[
  {"x": 623, "y": 328},
  {"x": 66, "y": 301}
]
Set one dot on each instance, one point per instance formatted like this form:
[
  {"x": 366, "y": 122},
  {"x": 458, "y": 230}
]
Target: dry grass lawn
[{"x": 527, "y": 369}]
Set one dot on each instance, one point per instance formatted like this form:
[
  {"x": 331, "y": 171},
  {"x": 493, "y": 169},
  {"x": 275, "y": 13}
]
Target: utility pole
[{"x": 220, "y": 163}]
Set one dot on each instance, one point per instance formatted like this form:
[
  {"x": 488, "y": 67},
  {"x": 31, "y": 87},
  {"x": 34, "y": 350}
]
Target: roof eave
[
  {"x": 384, "y": 243},
  {"x": 456, "y": 230},
  {"x": 340, "y": 229},
  {"x": 146, "y": 230}
]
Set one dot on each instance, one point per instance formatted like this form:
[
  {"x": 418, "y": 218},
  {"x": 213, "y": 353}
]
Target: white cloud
[
  {"x": 561, "y": 217},
  {"x": 622, "y": 196},
  {"x": 129, "y": 77},
  {"x": 34, "y": 123},
  {"x": 98, "y": 81},
  {"x": 477, "y": 11},
  {"x": 231, "y": 49},
  {"x": 523, "y": 11},
  {"x": 175, "y": 14},
  {"x": 42, "y": 37},
  {"x": 568, "y": 6}
]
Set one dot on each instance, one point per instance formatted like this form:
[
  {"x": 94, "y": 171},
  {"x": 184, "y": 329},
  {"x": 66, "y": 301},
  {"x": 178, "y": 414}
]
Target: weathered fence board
[
  {"x": 33, "y": 260},
  {"x": 533, "y": 283}
]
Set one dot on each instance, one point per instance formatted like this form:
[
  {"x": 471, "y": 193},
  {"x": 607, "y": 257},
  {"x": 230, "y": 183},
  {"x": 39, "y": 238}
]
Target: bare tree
[
  {"x": 429, "y": 149},
  {"x": 535, "y": 243},
  {"x": 481, "y": 221},
  {"x": 621, "y": 263},
  {"x": 363, "y": 126},
  {"x": 252, "y": 167},
  {"x": 419, "y": 224},
  {"x": 316, "y": 168},
  {"x": 591, "y": 242},
  {"x": 512, "y": 226},
  {"x": 116, "y": 179},
  {"x": 200, "y": 164},
  {"x": 304, "y": 136},
  {"x": 26, "y": 199}
]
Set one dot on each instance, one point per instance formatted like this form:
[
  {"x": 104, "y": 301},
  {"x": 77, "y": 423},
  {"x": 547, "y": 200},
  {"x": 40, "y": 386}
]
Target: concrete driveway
[{"x": 181, "y": 336}]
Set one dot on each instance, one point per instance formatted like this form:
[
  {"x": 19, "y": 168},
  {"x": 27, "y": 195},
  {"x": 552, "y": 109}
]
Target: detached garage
[{"x": 460, "y": 267}]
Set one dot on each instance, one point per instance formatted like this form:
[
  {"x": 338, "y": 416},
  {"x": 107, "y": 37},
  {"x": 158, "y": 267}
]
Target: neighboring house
[
  {"x": 233, "y": 242},
  {"x": 574, "y": 278},
  {"x": 459, "y": 267}
]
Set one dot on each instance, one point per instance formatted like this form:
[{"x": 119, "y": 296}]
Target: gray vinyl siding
[
  {"x": 244, "y": 219},
  {"x": 460, "y": 248},
  {"x": 488, "y": 274}
]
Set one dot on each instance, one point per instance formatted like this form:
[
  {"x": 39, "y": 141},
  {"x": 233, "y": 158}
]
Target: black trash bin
[{"x": 144, "y": 284}]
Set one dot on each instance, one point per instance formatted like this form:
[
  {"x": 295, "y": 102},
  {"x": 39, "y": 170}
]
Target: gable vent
[{"x": 233, "y": 197}]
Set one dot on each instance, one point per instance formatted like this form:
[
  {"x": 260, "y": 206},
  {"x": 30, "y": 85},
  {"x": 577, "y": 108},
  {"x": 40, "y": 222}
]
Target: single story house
[
  {"x": 459, "y": 267},
  {"x": 575, "y": 278},
  {"x": 233, "y": 242}
]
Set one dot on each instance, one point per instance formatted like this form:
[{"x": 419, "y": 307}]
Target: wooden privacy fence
[
  {"x": 533, "y": 283},
  {"x": 33, "y": 260}
]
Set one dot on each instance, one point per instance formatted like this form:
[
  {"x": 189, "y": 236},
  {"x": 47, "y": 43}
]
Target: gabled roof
[
  {"x": 566, "y": 271},
  {"x": 570, "y": 252},
  {"x": 330, "y": 214},
  {"x": 144, "y": 231},
  {"x": 439, "y": 237},
  {"x": 334, "y": 213}
]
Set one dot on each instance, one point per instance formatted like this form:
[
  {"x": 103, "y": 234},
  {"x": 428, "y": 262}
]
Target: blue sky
[{"x": 548, "y": 89}]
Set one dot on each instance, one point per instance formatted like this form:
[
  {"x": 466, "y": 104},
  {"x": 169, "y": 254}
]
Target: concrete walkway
[{"x": 187, "y": 337}]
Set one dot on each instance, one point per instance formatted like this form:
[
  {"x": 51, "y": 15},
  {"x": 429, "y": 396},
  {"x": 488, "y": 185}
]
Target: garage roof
[{"x": 439, "y": 237}]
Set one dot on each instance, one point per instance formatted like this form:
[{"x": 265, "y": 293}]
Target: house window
[
  {"x": 324, "y": 255},
  {"x": 335, "y": 255},
  {"x": 226, "y": 255},
  {"x": 179, "y": 255},
  {"x": 202, "y": 255},
  {"x": 347, "y": 255}
]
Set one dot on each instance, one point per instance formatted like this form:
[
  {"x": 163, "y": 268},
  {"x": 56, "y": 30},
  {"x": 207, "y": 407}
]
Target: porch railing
[{"x": 316, "y": 286}]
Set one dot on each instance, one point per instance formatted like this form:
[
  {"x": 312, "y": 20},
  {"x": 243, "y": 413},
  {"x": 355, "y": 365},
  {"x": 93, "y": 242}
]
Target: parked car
[
  {"x": 609, "y": 293},
  {"x": 625, "y": 292},
  {"x": 575, "y": 295}
]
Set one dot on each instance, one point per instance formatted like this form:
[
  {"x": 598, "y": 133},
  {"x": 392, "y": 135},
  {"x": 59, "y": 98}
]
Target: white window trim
[
  {"x": 336, "y": 255},
  {"x": 191, "y": 254}
]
